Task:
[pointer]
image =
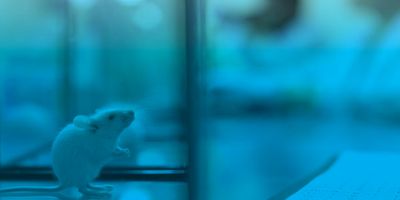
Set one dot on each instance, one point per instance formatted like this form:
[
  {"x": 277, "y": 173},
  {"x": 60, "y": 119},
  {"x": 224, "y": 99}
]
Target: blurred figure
[
  {"x": 386, "y": 9},
  {"x": 274, "y": 15},
  {"x": 383, "y": 71},
  {"x": 276, "y": 33},
  {"x": 380, "y": 86},
  {"x": 265, "y": 47}
]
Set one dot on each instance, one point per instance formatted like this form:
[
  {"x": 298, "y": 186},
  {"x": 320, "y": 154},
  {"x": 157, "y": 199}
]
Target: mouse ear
[{"x": 83, "y": 122}]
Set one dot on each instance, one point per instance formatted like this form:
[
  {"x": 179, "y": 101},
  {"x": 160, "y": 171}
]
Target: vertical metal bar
[
  {"x": 194, "y": 27},
  {"x": 2, "y": 103},
  {"x": 66, "y": 62}
]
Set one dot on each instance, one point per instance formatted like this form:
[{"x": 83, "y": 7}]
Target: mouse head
[{"x": 112, "y": 120}]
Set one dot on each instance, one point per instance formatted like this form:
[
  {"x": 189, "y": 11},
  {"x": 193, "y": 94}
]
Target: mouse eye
[{"x": 111, "y": 117}]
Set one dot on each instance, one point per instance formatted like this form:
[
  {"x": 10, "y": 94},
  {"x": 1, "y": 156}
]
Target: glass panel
[
  {"x": 31, "y": 40},
  {"x": 63, "y": 58}
]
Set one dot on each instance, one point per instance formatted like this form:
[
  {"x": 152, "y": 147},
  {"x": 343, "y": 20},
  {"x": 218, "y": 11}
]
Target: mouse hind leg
[
  {"x": 86, "y": 191},
  {"x": 107, "y": 188}
]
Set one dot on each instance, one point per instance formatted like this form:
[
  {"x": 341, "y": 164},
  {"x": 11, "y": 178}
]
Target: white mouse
[{"x": 82, "y": 148}]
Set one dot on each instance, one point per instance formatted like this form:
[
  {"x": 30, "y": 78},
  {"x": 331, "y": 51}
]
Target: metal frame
[
  {"x": 195, "y": 62},
  {"x": 155, "y": 174}
]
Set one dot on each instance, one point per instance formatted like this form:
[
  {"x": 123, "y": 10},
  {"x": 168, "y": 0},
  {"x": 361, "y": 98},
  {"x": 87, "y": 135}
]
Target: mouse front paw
[
  {"x": 126, "y": 153},
  {"x": 122, "y": 152}
]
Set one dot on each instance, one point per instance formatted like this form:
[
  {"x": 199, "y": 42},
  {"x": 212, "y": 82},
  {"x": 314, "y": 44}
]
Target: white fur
[{"x": 82, "y": 148}]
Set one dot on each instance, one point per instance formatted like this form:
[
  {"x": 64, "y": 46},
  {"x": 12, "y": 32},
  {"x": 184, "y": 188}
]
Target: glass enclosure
[
  {"x": 61, "y": 58},
  {"x": 283, "y": 86}
]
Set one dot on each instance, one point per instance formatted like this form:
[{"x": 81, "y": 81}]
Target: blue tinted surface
[
  {"x": 294, "y": 83},
  {"x": 287, "y": 84},
  {"x": 356, "y": 175}
]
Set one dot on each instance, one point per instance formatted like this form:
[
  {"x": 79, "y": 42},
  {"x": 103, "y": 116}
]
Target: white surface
[{"x": 357, "y": 176}]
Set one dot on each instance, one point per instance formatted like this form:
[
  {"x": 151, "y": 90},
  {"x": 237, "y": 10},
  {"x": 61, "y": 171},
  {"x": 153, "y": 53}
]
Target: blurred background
[{"x": 287, "y": 84}]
